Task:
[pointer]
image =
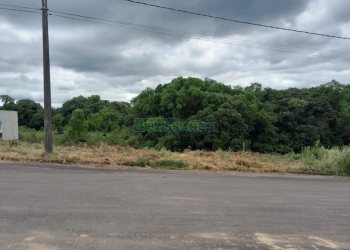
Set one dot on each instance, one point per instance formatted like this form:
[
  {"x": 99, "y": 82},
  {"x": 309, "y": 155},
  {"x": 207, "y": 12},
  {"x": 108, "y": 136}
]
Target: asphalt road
[{"x": 42, "y": 207}]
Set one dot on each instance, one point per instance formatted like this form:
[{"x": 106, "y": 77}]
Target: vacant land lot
[
  {"x": 314, "y": 160},
  {"x": 116, "y": 157}
]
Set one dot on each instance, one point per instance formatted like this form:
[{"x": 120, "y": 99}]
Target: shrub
[
  {"x": 124, "y": 137},
  {"x": 328, "y": 161},
  {"x": 77, "y": 127},
  {"x": 343, "y": 162},
  {"x": 29, "y": 135},
  {"x": 58, "y": 123}
]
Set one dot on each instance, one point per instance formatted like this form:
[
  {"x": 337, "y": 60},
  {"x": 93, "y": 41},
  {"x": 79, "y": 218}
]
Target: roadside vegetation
[
  {"x": 334, "y": 161},
  {"x": 107, "y": 156},
  {"x": 196, "y": 124},
  {"x": 312, "y": 160},
  {"x": 191, "y": 113}
]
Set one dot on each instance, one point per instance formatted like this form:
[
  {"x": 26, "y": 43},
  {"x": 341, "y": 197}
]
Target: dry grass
[{"x": 116, "y": 157}]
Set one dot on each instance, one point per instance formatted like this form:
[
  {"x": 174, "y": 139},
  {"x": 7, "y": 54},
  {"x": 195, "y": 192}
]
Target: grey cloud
[{"x": 118, "y": 62}]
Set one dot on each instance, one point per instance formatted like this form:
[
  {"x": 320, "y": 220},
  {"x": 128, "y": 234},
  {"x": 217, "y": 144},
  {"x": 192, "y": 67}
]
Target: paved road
[{"x": 50, "y": 208}]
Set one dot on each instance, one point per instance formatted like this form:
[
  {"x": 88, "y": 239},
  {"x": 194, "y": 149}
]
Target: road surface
[{"x": 43, "y": 207}]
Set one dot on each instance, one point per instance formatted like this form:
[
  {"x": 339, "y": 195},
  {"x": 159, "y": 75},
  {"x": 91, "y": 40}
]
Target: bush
[
  {"x": 58, "y": 123},
  {"x": 123, "y": 137},
  {"x": 29, "y": 135},
  {"x": 344, "y": 162},
  {"x": 328, "y": 161},
  {"x": 77, "y": 127}
]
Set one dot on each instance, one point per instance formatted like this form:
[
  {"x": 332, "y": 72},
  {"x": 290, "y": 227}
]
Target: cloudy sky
[{"x": 117, "y": 62}]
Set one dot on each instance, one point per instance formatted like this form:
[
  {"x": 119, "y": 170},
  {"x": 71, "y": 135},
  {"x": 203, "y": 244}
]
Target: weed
[
  {"x": 319, "y": 160},
  {"x": 327, "y": 161},
  {"x": 143, "y": 162},
  {"x": 170, "y": 164}
]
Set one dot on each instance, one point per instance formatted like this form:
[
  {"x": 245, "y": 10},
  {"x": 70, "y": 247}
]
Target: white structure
[{"x": 8, "y": 125}]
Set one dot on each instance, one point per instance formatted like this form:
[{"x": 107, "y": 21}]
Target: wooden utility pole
[{"x": 47, "y": 81}]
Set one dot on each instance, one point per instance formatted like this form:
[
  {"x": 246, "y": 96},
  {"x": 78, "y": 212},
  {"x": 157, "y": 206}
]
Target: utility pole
[{"x": 47, "y": 81}]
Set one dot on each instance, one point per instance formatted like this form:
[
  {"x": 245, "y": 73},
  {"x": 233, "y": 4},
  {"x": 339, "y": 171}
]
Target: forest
[{"x": 196, "y": 114}]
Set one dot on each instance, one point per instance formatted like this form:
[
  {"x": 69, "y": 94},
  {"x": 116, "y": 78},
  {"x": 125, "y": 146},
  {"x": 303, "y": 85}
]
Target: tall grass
[
  {"x": 29, "y": 135},
  {"x": 327, "y": 161},
  {"x": 100, "y": 148}
]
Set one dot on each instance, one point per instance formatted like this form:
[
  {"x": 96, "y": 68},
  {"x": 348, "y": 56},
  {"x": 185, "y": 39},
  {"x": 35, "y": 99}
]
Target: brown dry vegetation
[{"x": 117, "y": 157}]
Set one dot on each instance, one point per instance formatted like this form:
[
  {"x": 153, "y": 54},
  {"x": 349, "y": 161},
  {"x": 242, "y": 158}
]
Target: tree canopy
[{"x": 254, "y": 118}]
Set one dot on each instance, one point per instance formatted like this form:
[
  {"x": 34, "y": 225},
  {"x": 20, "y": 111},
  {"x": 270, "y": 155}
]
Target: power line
[
  {"x": 181, "y": 33},
  {"x": 18, "y": 6},
  {"x": 19, "y": 10},
  {"x": 236, "y": 20},
  {"x": 46, "y": 70},
  {"x": 34, "y": 4}
]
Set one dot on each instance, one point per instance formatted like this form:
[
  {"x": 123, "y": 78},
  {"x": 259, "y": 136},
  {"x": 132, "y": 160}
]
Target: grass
[
  {"x": 168, "y": 164},
  {"x": 335, "y": 161},
  {"x": 107, "y": 156},
  {"x": 313, "y": 160}
]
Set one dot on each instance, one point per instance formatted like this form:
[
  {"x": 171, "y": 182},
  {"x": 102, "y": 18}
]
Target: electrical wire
[
  {"x": 176, "y": 33},
  {"x": 18, "y": 6},
  {"x": 19, "y": 10},
  {"x": 34, "y": 4},
  {"x": 236, "y": 20},
  {"x": 185, "y": 34}
]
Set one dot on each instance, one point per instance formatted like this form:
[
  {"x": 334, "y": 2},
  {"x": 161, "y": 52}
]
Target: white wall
[{"x": 9, "y": 125}]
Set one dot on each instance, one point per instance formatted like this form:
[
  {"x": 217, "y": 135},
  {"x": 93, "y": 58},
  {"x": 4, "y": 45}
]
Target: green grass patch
[
  {"x": 143, "y": 162},
  {"x": 170, "y": 164},
  {"x": 167, "y": 164},
  {"x": 334, "y": 161}
]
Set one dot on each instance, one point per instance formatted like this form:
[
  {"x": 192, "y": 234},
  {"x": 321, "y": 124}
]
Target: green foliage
[
  {"x": 30, "y": 135},
  {"x": 6, "y": 99},
  {"x": 167, "y": 164},
  {"x": 27, "y": 109},
  {"x": 343, "y": 162},
  {"x": 77, "y": 127},
  {"x": 37, "y": 119},
  {"x": 170, "y": 164},
  {"x": 30, "y": 113},
  {"x": 313, "y": 155},
  {"x": 256, "y": 118},
  {"x": 143, "y": 162},
  {"x": 58, "y": 123},
  {"x": 328, "y": 161},
  {"x": 105, "y": 120},
  {"x": 239, "y": 118},
  {"x": 124, "y": 137}
]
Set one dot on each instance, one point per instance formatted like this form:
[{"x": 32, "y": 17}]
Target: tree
[
  {"x": 106, "y": 120},
  {"x": 263, "y": 119},
  {"x": 58, "y": 123},
  {"x": 6, "y": 99},
  {"x": 77, "y": 127},
  {"x": 8, "y": 103},
  {"x": 37, "y": 120},
  {"x": 30, "y": 114}
]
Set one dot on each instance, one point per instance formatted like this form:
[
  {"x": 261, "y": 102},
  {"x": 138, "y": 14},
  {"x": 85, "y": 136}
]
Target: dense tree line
[{"x": 252, "y": 118}]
